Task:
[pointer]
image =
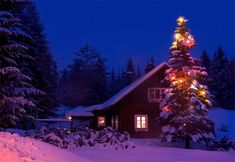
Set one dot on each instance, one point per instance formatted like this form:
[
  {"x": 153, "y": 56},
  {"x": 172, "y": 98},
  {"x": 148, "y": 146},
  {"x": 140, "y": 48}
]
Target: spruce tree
[
  {"x": 99, "y": 87},
  {"x": 232, "y": 98},
  {"x": 111, "y": 82},
  {"x": 221, "y": 79},
  {"x": 63, "y": 87},
  {"x": 186, "y": 101},
  {"x": 205, "y": 60},
  {"x": 42, "y": 70},
  {"x": 150, "y": 65},
  {"x": 130, "y": 71},
  {"x": 16, "y": 91},
  {"x": 86, "y": 83}
]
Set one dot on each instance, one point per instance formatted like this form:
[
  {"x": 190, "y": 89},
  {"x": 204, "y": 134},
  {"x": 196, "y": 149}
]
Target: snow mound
[{"x": 14, "y": 148}]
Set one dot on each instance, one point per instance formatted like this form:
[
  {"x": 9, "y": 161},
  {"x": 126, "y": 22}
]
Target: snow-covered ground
[
  {"x": 14, "y": 148},
  {"x": 143, "y": 153},
  {"x": 22, "y": 149}
]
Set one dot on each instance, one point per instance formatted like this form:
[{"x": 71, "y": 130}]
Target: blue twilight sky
[{"x": 137, "y": 29}]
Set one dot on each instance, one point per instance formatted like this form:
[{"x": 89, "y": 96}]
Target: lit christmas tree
[{"x": 186, "y": 101}]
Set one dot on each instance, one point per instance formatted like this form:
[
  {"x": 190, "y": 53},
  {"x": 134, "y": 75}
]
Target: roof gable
[{"x": 124, "y": 92}]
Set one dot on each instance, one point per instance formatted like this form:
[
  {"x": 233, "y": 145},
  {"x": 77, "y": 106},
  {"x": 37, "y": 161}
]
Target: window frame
[
  {"x": 141, "y": 124},
  {"x": 152, "y": 92}
]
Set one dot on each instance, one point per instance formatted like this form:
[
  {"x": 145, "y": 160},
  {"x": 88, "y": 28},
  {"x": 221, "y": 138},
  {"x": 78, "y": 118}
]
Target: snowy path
[
  {"x": 20, "y": 149},
  {"x": 155, "y": 154}
]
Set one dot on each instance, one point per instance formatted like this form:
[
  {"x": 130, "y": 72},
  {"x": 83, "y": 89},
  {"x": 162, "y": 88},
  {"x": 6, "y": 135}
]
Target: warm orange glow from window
[
  {"x": 141, "y": 122},
  {"x": 101, "y": 121}
]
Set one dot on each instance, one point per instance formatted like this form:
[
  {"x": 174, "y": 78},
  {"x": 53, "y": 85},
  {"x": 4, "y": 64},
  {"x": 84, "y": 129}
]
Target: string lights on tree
[{"x": 186, "y": 101}]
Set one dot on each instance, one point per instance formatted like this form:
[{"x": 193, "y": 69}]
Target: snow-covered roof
[
  {"x": 80, "y": 111},
  {"x": 120, "y": 95}
]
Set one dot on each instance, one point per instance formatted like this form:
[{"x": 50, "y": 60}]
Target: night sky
[{"x": 137, "y": 29}]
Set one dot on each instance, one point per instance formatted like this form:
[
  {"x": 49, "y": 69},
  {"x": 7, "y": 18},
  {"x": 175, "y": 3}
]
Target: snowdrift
[{"x": 14, "y": 148}]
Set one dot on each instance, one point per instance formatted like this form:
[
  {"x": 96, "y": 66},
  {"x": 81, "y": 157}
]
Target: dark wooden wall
[{"x": 136, "y": 102}]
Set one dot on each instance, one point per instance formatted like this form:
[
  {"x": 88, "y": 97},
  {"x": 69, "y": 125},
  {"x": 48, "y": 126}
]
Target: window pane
[
  {"x": 157, "y": 93},
  {"x": 138, "y": 118},
  {"x": 138, "y": 124},
  {"x": 143, "y": 124},
  {"x": 151, "y": 94},
  {"x": 143, "y": 118}
]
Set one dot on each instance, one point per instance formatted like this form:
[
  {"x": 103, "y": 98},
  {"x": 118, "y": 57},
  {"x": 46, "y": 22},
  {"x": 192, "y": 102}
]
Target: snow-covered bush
[
  {"x": 80, "y": 137},
  {"x": 222, "y": 145}
]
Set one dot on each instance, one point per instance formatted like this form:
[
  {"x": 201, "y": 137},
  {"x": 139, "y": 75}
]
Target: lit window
[
  {"x": 155, "y": 94},
  {"x": 141, "y": 122},
  {"x": 101, "y": 121}
]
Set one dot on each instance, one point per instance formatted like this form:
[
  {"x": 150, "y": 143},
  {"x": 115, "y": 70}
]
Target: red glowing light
[{"x": 166, "y": 108}]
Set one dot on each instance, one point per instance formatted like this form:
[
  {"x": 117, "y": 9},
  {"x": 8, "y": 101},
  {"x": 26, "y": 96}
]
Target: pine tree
[
  {"x": 86, "y": 84},
  {"x": 186, "y": 101},
  {"x": 63, "y": 86},
  {"x": 150, "y": 65},
  {"x": 130, "y": 71},
  {"x": 44, "y": 72},
  {"x": 16, "y": 92},
  {"x": 221, "y": 79},
  {"x": 113, "y": 86},
  {"x": 99, "y": 94},
  {"x": 205, "y": 60}
]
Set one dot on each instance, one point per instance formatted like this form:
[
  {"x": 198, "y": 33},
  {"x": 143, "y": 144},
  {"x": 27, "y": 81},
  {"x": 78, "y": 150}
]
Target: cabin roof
[
  {"x": 80, "y": 111},
  {"x": 117, "y": 97}
]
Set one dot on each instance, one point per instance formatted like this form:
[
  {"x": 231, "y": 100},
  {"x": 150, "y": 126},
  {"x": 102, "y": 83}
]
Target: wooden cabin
[{"x": 134, "y": 109}]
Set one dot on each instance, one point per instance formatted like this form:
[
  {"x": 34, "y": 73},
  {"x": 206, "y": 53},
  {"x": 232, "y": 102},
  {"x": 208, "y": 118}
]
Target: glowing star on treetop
[{"x": 181, "y": 21}]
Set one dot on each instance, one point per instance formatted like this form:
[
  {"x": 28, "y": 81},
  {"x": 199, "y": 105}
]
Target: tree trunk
[{"x": 187, "y": 142}]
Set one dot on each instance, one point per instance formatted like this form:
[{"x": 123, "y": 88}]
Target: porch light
[{"x": 69, "y": 117}]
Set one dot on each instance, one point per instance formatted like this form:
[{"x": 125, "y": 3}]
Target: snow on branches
[
  {"x": 84, "y": 137},
  {"x": 16, "y": 90},
  {"x": 186, "y": 101}
]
